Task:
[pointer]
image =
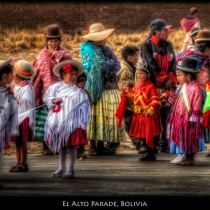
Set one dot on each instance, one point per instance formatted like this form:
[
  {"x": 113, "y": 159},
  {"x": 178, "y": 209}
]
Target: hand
[
  {"x": 150, "y": 112},
  {"x": 127, "y": 89},
  {"x": 168, "y": 84},
  {"x": 57, "y": 100}
]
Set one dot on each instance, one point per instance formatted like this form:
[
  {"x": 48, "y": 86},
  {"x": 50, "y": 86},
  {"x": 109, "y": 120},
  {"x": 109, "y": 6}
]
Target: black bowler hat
[{"x": 188, "y": 64}]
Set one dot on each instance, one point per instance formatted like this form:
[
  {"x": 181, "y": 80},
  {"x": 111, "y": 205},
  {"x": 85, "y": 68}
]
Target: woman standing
[
  {"x": 101, "y": 66},
  {"x": 49, "y": 56}
]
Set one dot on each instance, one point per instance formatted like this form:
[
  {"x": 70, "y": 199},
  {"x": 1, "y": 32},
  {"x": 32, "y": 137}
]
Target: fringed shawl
[
  {"x": 64, "y": 118},
  {"x": 8, "y": 117},
  {"x": 185, "y": 118},
  {"x": 92, "y": 60},
  {"x": 24, "y": 93}
]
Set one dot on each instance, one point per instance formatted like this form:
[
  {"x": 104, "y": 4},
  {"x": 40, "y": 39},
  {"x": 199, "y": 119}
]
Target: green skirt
[
  {"x": 103, "y": 124},
  {"x": 40, "y": 119}
]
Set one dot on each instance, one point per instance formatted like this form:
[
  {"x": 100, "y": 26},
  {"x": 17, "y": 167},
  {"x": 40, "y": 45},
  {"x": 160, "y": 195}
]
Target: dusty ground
[{"x": 36, "y": 148}]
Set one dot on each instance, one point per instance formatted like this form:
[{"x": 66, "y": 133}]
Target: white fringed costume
[
  {"x": 8, "y": 117},
  {"x": 24, "y": 93},
  {"x": 67, "y": 117}
]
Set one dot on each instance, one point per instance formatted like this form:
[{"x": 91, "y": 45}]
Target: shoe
[
  {"x": 188, "y": 162},
  {"x": 174, "y": 160},
  {"x": 58, "y": 173},
  {"x": 181, "y": 159},
  {"x": 148, "y": 158},
  {"x": 21, "y": 168},
  {"x": 13, "y": 167},
  {"x": 68, "y": 176},
  {"x": 142, "y": 150}
]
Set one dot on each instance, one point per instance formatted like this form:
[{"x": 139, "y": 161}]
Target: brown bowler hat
[
  {"x": 53, "y": 31},
  {"x": 202, "y": 36}
]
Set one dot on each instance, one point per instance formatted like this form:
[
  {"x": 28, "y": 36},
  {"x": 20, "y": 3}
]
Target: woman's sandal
[
  {"x": 13, "y": 167},
  {"x": 21, "y": 168}
]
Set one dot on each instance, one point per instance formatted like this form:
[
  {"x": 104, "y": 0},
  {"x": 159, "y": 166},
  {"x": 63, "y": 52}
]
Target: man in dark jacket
[{"x": 161, "y": 60}]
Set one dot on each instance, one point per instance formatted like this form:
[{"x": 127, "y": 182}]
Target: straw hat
[
  {"x": 74, "y": 63},
  {"x": 4, "y": 63},
  {"x": 188, "y": 64},
  {"x": 24, "y": 69},
  {"x": 53, "y": 31},
  {"x": 203, "y": 35},
  {"x": 97, "y": 32}
]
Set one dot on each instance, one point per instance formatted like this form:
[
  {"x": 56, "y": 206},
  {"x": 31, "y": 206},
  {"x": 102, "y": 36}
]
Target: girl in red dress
[{"x": 146, "y": 123}]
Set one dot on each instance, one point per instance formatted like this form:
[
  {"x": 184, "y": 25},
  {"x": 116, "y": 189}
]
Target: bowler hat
[
  {"x": 53, "y": 31},
  {"x": 203, "y": 35},
  {"x": 188, "y": 64}
]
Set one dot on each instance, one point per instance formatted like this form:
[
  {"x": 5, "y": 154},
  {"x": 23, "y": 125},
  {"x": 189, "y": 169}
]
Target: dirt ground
[{"x": 35, "y": 147}]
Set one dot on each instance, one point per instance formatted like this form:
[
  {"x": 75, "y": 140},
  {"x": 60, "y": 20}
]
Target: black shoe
[
  {"x": 142, "y": 150},
  {"x": 148, "y": 157}
]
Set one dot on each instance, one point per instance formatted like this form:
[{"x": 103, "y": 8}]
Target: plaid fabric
[
  {"x": 188, "y": 23},
  {"x": 40, "y": 119}
]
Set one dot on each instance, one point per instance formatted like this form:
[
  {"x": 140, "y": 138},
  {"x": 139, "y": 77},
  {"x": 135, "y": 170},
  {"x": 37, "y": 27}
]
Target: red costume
[{"x": 146, "y": 122}]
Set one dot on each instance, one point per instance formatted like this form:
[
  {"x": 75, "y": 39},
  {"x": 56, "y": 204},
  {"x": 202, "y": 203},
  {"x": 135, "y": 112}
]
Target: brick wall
[{"x": 77, "y": 16}]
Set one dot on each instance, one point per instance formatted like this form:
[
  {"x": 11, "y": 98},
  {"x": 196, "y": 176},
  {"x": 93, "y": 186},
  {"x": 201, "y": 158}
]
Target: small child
[
  {"x": 24, "y": 93},
  {"x": 146, "y": 123},
  {"x": 81, "y": 81},
  {"x": 8, "y": 106},
  {"x": 66, "y": 124},
  {"x": 126, "y": 77},
  {"x": 186, "y": 133}
]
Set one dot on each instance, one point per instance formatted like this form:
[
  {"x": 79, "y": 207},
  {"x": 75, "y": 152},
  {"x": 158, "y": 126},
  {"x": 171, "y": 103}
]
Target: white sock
[
  {"x": 62, "y": 158},
  {"x": 73, "y": 157}
]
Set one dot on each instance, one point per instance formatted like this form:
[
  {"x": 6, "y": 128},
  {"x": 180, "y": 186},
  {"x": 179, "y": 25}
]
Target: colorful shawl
[
  {"x": 206, "y": 108},
  {"x": 185, "y": 118},
  {"x": 44, "y": 64}
]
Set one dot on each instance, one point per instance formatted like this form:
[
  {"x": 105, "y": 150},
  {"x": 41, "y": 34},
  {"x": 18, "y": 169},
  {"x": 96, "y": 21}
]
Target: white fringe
[{"x": 77, "y": 118}]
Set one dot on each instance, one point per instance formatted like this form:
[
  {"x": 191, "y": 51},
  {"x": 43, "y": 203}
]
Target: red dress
[{"x": 146, "y": 121}]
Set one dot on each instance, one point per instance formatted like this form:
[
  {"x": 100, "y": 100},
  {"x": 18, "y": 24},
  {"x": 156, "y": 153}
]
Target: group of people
[{"x": 154, "y": 95}]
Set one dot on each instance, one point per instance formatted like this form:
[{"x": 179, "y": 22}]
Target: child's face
[
  {"x": 141, "y": 76},
  {"x": 82, "y": 83},
  {"x": 133, "y": 58},
  {"x": 70, "y": 78},
  {"x": 181, "y": 76},
  {"x": 7, "y": 78}
]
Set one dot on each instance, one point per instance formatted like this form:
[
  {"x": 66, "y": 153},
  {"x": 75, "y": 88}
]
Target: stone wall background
[{"x": 73, "y": 16}]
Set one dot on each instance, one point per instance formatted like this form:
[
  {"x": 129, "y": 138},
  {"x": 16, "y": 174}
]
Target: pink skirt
[{"x": 26, "y": 134}]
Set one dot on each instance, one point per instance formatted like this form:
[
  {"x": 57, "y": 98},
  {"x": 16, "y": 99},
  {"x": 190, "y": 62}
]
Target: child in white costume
[
  {"x": 8, "y": 106},
  {"x": 24, "y": 93},
  {"x": 68, "y": 118}
]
